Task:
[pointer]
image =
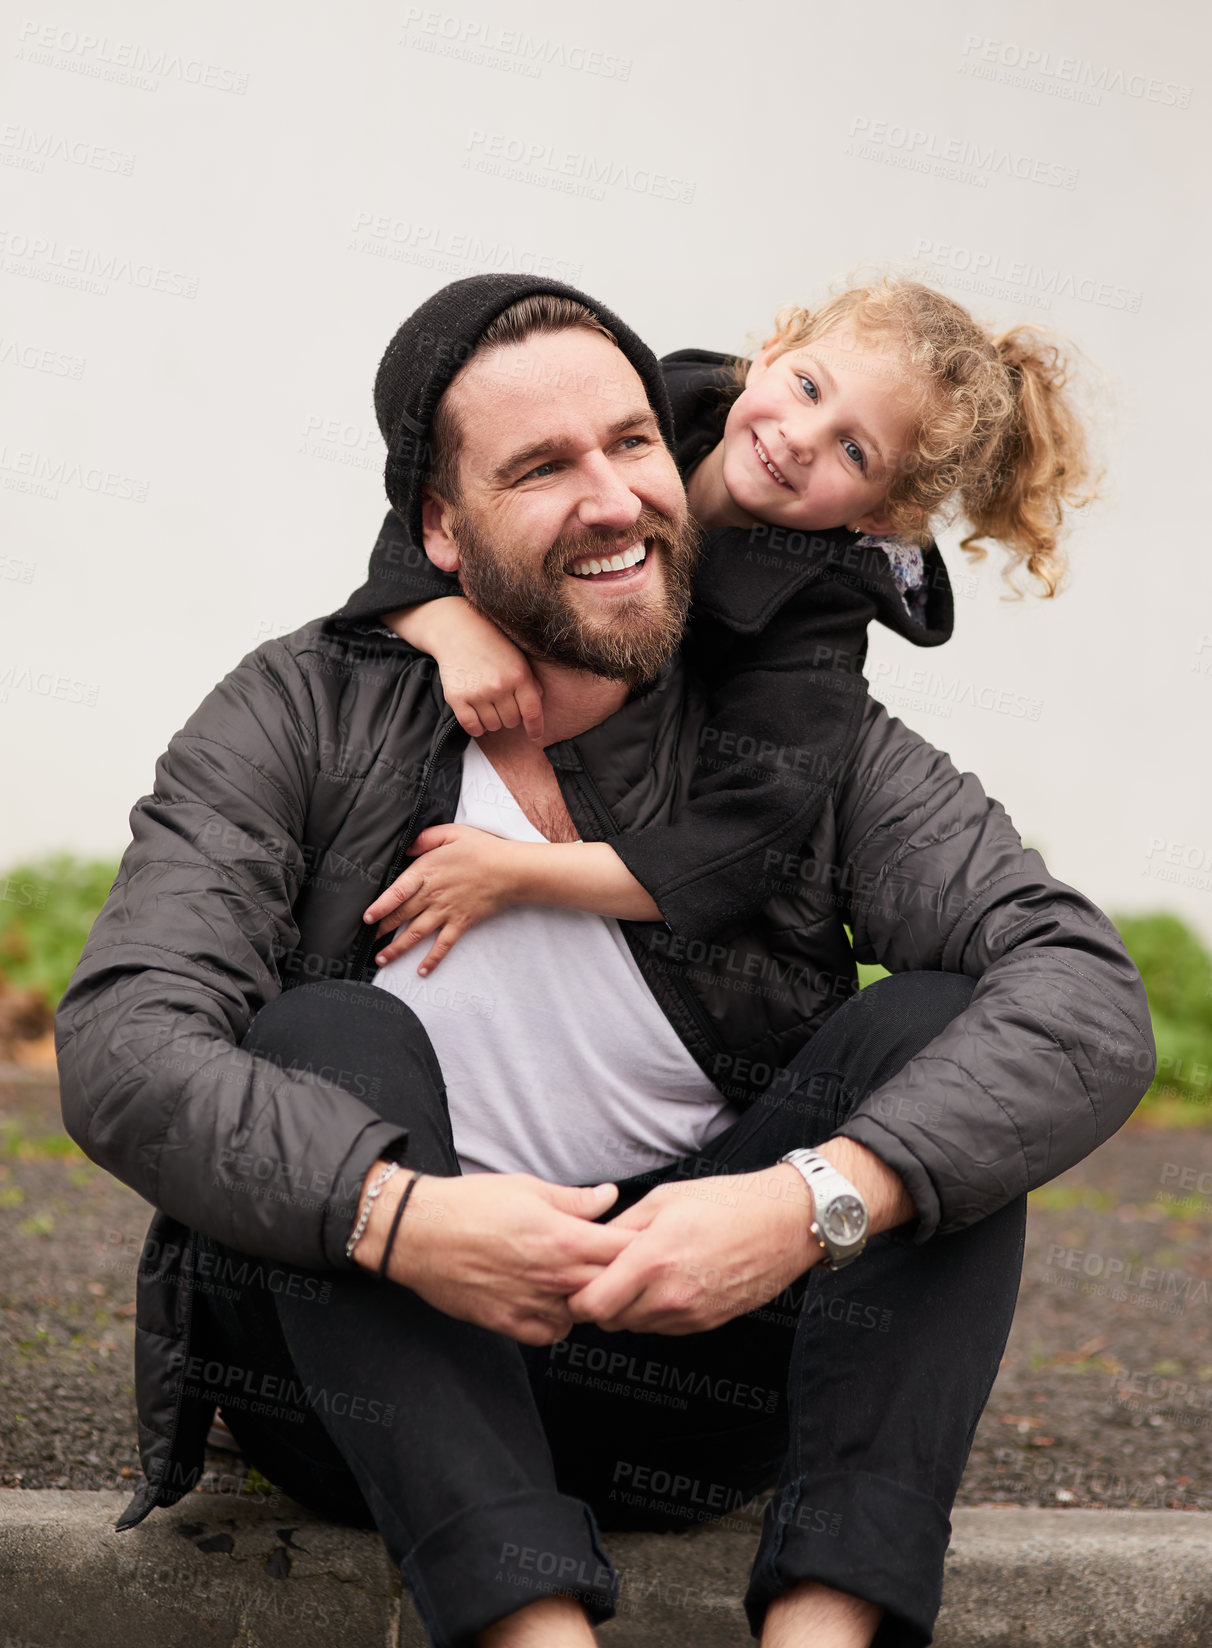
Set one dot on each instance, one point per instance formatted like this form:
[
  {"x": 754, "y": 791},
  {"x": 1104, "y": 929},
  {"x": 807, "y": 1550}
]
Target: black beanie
[
  {"x": 437, "y": 340},
  {"x": 417, "y": 368}
]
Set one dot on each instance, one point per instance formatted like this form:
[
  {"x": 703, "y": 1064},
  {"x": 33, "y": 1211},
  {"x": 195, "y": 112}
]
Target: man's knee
[
  {"x": 321, "y": 1020},
  {"x": 878, "y": 1031},
  {"x": 917, "y": 1006},
  {"x": 362, "y": 1039}
]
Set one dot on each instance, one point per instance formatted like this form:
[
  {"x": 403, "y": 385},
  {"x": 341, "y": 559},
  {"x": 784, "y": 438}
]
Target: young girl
[{"x": 816, "y": 471}]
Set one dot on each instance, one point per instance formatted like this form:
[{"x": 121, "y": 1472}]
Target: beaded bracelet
[
  {"x": 395, "y": 1223},
  {"x": 364, "y": 1216}
]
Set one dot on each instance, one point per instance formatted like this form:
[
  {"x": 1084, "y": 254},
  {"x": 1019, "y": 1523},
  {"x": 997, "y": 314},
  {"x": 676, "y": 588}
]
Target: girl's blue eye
[
  {"x": 853, "y": 452},
  {"x": 810, "y": 389}
]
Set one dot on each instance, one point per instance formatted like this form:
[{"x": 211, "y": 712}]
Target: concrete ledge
[
  {"x": 209, "y": 1572},
  {"x": 218, "y": 1572},
  {"x": 1078, "y": 1579}
]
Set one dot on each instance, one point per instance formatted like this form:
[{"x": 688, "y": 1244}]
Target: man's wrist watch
[{"x": 839, "y": 1213}]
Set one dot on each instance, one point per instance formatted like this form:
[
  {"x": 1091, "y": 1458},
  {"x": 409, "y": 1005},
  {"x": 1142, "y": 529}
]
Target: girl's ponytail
[{"x": 1036, "y": 466}]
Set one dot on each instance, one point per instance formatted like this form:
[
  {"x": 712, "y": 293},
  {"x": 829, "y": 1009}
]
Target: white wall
[{"x": 229, "y": 200}]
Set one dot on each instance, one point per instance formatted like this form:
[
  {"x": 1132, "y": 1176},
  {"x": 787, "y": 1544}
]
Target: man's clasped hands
[{"x": 523, "y": 1257}]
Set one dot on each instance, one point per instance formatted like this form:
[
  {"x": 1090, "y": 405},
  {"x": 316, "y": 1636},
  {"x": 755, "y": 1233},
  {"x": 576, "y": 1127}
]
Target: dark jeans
[{"x": 488, "y": 1466}]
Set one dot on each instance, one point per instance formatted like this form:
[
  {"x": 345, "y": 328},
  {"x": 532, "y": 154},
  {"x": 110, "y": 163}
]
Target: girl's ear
[
  {"x": 875, "y": 522},
  {"x": 435, "y": 530}
]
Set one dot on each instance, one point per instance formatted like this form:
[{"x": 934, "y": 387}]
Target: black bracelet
[{"x": 395, "y": 1223}]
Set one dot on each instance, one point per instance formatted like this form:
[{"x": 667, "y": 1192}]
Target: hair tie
[{"x": 395, "y": 1223}]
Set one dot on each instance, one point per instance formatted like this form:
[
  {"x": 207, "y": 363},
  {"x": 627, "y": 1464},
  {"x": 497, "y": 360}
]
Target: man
[{"x": 515, "y": 1358}]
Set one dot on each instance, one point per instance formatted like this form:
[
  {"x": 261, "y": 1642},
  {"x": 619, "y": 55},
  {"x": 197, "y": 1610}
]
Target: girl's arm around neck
[{"x": 487, "y": 681}]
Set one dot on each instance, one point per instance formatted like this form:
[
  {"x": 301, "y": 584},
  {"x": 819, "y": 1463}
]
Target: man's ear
[{"x": 435, "y": 532}]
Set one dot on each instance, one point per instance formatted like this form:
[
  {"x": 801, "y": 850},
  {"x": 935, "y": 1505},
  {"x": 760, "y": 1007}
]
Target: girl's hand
[
  {"x": 462, "y": 876},
  {"x": 488, "y": 682}
]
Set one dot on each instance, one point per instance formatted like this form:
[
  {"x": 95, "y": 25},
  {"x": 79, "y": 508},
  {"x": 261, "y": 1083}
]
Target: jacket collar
[{"x": 620, "y": 756}]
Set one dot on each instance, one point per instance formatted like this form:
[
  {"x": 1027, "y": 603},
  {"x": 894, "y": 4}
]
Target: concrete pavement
[{"x": 219, "y": 1572}]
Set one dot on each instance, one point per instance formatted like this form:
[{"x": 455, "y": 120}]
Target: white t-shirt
[{"x": 556, "y": 1057}]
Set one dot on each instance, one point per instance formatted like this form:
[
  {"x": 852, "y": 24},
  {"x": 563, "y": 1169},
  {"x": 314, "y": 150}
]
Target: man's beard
[{"x": 533, "y": 606}]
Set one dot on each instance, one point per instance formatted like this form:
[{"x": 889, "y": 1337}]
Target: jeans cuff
[
  {"x": 490, "y": 1560},
  {"x": 865, "y": 1535}
]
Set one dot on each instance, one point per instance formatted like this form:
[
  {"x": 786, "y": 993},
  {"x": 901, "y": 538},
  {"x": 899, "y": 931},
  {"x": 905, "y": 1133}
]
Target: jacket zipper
[{"x": 367, "y": 941}]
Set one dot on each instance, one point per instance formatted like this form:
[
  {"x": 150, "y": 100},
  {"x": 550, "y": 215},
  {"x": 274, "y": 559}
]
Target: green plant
[
  {"x": 46, "y": 910},
  {"x": 1177, "y": 971}
]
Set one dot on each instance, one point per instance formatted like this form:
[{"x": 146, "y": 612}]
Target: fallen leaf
[
  {"x": 217, "y": 1542},
  {"x": 277, "y": 1563}
]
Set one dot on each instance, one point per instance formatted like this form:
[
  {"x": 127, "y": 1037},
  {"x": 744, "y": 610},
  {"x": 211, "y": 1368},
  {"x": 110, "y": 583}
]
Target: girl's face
[{"x": 815, "y": 438}]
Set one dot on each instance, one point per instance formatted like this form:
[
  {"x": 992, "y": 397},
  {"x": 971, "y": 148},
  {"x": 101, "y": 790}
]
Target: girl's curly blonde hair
[{"x": 995, "y": 434}]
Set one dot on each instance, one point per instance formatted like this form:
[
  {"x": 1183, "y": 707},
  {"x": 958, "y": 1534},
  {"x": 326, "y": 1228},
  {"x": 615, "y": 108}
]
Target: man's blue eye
[{"x": 810, "y": 389}]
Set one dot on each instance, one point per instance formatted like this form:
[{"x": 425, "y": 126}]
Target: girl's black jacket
[{"x": 778, "y": 635}]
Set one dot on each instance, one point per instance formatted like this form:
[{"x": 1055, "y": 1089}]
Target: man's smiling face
[{"x": 570, "y": 530}]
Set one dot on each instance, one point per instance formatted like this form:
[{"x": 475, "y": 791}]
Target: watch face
[{"x": 845, "y": 1219}]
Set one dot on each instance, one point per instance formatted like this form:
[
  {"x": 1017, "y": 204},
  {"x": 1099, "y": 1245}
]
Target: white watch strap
[{"x": 818, "y": 1170}]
